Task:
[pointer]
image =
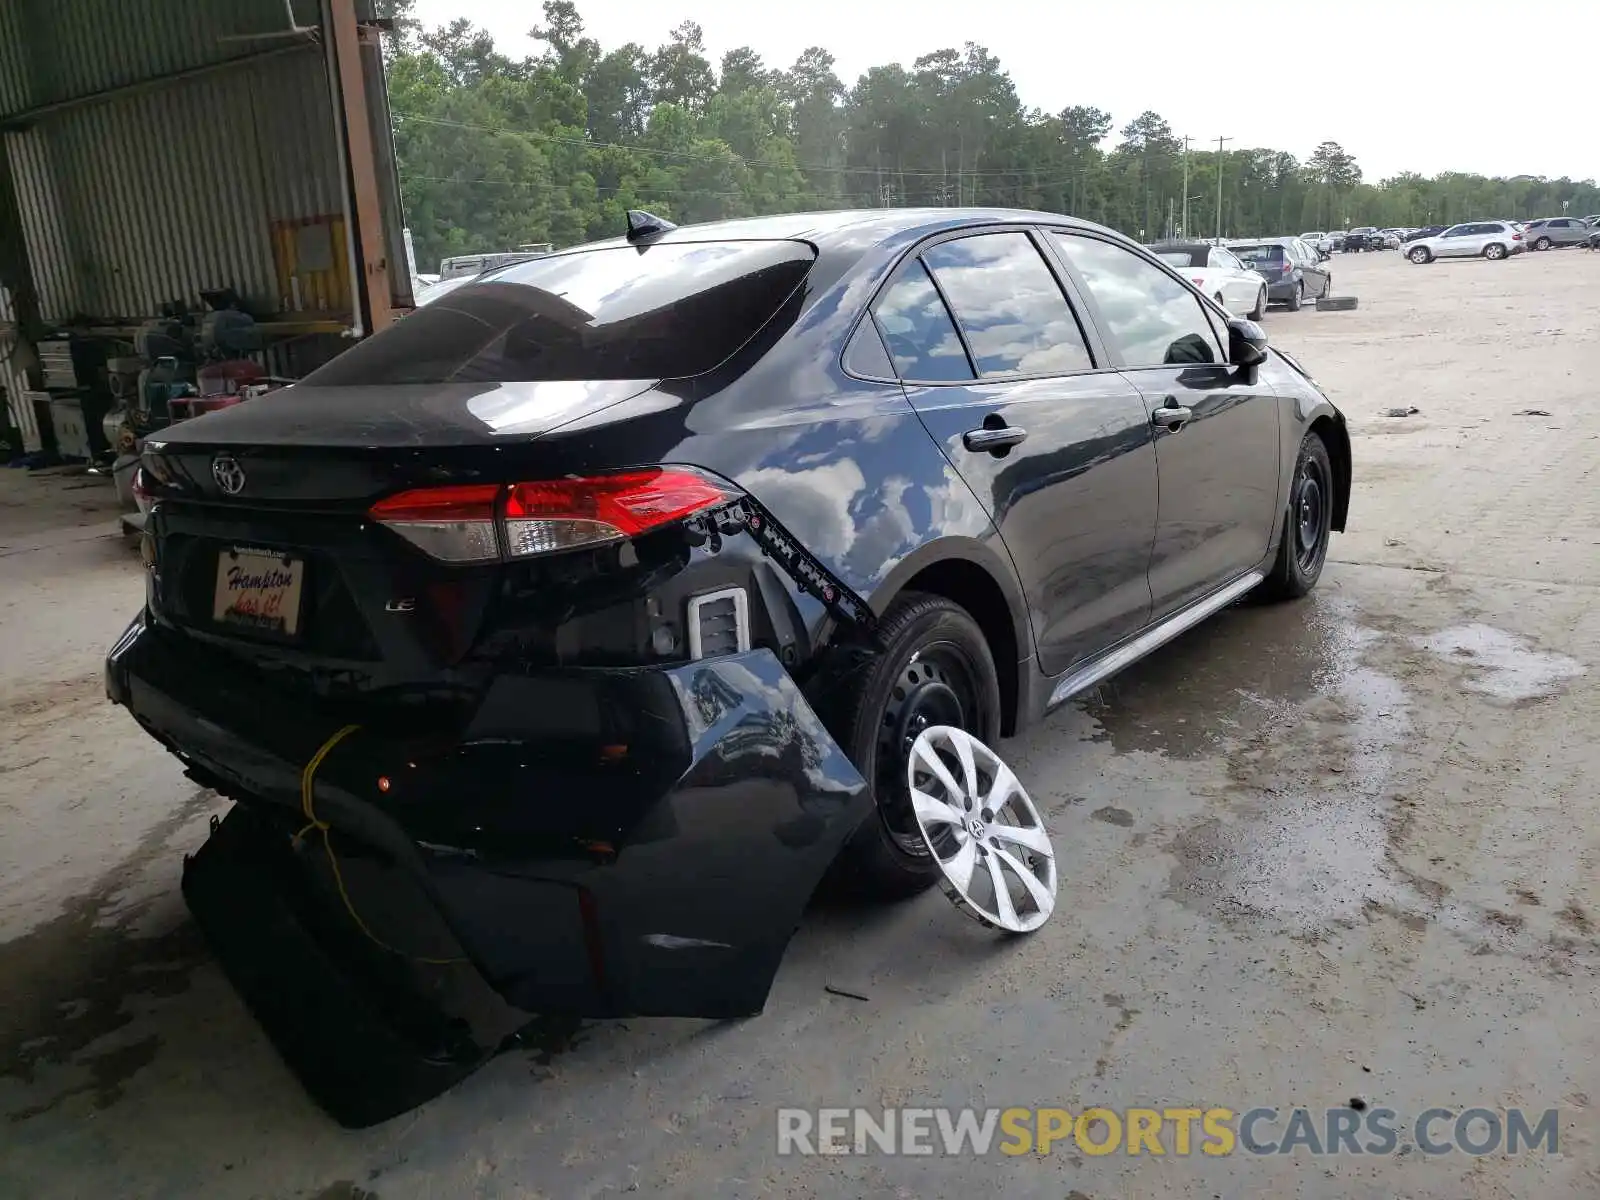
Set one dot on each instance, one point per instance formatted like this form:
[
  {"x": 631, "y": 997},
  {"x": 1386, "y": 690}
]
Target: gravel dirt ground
[{"x": 1340, "y": 849}]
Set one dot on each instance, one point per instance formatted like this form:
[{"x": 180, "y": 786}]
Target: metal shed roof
[{"x": 159, "y": 148}]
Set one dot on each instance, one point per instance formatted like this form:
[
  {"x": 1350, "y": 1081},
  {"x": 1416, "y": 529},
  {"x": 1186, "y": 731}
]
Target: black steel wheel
[
  {"x": 1307, "y": 525},
  {"x": 936, "y": 669}
]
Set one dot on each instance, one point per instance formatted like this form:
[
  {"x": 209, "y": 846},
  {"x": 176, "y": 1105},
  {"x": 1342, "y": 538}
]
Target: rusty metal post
[{"x": 372, "y": 257}]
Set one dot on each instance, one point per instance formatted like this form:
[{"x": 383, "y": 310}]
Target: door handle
[
  {"x": 1171, "y": 415},
  {"x": 994, "y": 439}
]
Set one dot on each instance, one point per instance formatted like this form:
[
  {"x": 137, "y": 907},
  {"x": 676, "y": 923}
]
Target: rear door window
[
  {"x": 1009, "y": 305},
  {"x": 1260, "y": 256},
  {"x": 658, "y": 312},
  {"x": 1153, "y": 318},
  {"x": 919, "y": 331}
]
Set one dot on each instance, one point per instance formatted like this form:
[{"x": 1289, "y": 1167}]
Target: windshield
[{"x": 660, "y": 312}]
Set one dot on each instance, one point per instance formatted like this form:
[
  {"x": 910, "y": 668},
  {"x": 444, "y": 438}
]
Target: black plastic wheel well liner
[
  {"x": 1335, "y": 437},
  {"x": 964, "y": 582}
]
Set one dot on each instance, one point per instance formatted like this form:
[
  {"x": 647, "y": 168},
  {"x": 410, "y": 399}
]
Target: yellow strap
[{"x": 308, "y": 807}]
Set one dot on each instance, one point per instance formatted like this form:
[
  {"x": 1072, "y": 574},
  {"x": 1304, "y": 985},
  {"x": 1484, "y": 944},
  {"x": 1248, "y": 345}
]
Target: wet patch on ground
[
  {"x": 1225, "y": 679},
  {"x": 67, "y": 983},
  {"x": 1305, "y": 842},
  {"x": 1502, "y": 665},
  {"x": 1309, "y": 837}
]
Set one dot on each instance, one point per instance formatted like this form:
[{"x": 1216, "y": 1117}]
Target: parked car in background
[
  {"x": 1490, "y": 239},
  {"x": 1293, "y": 272},
  {"x": 1363, "y": 238},
  {"x": 1425, "y": 232},
  {"x": 1549, "y": 233},
  {"x": 1391, "y": 238},
  {"x": 1313, "y": 239},
  {"x": 1236, "y": 287},
  {"x": 1333, "y": 241}
]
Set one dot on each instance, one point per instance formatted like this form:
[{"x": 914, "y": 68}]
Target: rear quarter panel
[{"x": 843, "y": 464}]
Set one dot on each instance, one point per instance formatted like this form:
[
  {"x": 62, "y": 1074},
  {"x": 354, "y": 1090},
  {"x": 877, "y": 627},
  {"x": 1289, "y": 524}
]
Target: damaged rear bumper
[{"x": 599, "y": 842}]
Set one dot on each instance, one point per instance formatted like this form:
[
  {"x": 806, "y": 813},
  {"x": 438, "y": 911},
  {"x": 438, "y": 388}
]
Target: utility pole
[
  {"x": 1221, "y": 141},
  {"x": 1186, "y": 231}
]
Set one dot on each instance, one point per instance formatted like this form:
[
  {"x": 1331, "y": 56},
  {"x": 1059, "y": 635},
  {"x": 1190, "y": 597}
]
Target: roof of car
[
  {"x": 845, "y": 226},
  {"x": 1188, "y": 247}
]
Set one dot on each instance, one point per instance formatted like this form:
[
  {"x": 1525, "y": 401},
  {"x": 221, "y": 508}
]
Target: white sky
[{"x": 1418, "y": 85}]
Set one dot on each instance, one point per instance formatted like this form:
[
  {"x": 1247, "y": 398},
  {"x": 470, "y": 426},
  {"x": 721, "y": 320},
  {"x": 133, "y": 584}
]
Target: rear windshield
[
  {"x": 1183, "y": 258},
  {"x": 1259, "y": 254},
  {"x": 655, "y": 312}
]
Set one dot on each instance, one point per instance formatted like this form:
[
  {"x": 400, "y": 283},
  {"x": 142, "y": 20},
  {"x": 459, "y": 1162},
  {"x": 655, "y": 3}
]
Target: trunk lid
[{"x": 263, "y": 541}]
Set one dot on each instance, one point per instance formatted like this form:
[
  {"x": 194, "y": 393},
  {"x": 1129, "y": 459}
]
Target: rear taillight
[
  {"x": 486, "y": 522},
  {"x": 1516, "y": 237},
  {"x": 1288, "y": 268},
  {"x": 454, "y": 524},
  {"x": 140, "y": 487},
  {"x": 1198, "y": 281}
]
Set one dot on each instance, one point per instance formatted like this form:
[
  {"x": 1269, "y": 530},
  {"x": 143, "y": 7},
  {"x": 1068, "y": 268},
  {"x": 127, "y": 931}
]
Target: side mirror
[{"x": 1247, "y": 343}]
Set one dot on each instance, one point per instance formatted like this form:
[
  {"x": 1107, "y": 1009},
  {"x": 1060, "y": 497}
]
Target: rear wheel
[
  {"x": 1221, "y": 304},
  {"x": 1494, "y": 251},
  {"x": 1307, "y": 525},
  {"x": 1260, "y": 310},
  {"x": 936, "y": 669},
  {"x": 1542, "y": 244},
  {"x": 1420, "y": 255},
  {"x": 1297, "y": 297},
  {"x": 1327, "y": 286}
]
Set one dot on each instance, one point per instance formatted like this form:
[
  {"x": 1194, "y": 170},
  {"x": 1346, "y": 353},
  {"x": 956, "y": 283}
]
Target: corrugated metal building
[{"x": 161, "y": 148}]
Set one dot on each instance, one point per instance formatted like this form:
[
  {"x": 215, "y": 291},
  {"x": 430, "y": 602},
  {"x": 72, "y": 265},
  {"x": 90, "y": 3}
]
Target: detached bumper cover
[{"x": 595, "y": 842}]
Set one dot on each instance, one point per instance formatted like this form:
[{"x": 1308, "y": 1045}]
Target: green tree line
[{"x": 497, "y": 152}]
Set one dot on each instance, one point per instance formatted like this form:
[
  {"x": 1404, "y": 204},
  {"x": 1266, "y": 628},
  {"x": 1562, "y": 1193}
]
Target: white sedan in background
[{"x": 1217, "y": 272}]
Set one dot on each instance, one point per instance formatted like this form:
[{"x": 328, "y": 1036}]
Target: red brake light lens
[
  {"x": 471, "y": 523},
  {"x": 453, "y": 524},
  {"x": 560, "y": 514}
]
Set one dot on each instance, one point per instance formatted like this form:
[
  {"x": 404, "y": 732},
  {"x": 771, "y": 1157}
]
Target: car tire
[
  {"x": 1494, "y": 251},
  {"x": 1297, "y": 297},
  {"x": 1542, "y": 244},
  {"x": 1260, "y": 310},
  {"x": 1420, "y": 255},
  {"x": 1221, "y": 304},
  {"x": 1307, "y": 525},
  {"x": 935, "y": 669},
  {"x": 1327, "y": 286}
]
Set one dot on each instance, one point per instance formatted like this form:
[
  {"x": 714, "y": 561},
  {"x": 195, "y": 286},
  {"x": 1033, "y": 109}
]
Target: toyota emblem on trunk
[{"x": 225, "y": 469}]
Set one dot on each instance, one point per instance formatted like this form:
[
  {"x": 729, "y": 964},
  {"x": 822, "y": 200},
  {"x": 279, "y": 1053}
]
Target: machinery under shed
[{"x": 198, "y": 203}]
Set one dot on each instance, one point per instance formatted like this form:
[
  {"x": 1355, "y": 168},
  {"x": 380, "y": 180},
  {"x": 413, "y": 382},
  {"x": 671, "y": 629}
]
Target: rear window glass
[
  {"x": 1183, "y": 258},
  {"x": 1259, "y": 254},
  {"x": 657, "y": 312}
]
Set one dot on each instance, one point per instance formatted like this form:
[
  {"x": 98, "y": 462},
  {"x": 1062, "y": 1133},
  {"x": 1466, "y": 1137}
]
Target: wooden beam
[{"x": 372, "y": 257}]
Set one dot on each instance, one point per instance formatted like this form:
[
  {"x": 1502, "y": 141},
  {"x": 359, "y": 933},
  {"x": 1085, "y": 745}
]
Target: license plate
[{"x": 258, "y": 589}]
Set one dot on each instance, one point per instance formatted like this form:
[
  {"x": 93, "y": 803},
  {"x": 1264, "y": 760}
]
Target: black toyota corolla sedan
[{"x": 568, "y": 632}]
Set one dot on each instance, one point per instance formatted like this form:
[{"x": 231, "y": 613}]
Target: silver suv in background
[
  {"x": 1490, "y": 239},
  {"x": 1551, "y": 232}
]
